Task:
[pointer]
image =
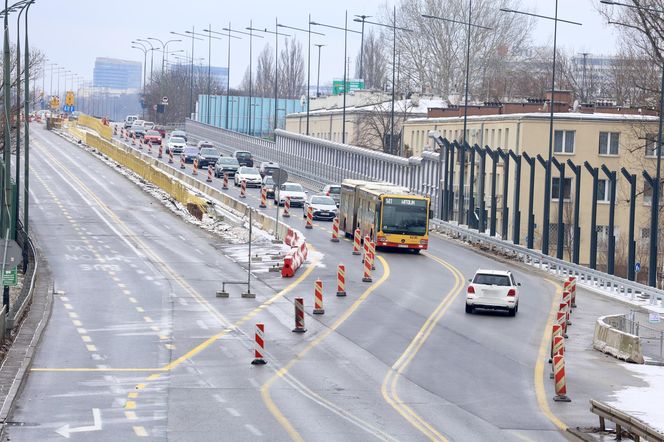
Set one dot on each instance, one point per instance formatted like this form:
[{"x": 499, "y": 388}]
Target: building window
[
  {"x": 555, "y": 189},
  {"x": 603, "y": 191},
  {"x": 651, "y": 145},
  {"x": 645, "y": 233},
  {"x": 608, "y": 143},
  {"x": 564, "y": 141},
  {"x": 647, "y": 194}
]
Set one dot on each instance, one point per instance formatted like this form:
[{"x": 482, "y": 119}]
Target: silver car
[{"x": 322, "y": 207}]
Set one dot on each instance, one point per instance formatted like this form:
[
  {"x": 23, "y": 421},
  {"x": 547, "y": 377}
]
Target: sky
[{"x": 72, "y": 33}]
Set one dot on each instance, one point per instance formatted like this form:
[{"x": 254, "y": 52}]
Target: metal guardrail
[
  {"x": 652, "y": 339},
  {"x": 636, "y": 427},
  {"x": 321, "y": 162},
  {"x": 17, "y": 310}
]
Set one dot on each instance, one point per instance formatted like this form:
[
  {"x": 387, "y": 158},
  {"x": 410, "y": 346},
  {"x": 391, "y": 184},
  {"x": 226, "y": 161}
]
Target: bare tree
[
  {"x": 264, "y": 79},
  {"x": 291, "y": 70},
  {"x": 374, "y": 61},
  {"x": 375, "y": 125}
]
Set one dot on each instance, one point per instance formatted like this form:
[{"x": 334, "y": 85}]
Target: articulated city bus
[{"x": 389, "y": 214}]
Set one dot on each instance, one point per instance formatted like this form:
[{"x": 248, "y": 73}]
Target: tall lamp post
[
  {"x": 346, "y": 31},
  {"x": 26, "y": 156},
  {"x": 164, "y": 49},
  {"x": 191, "y": 79},
  {"x": 654, "y": 209},
  {"x": 228, "y": 63},
  {"x": 276, "y": 70},
  {"x": 394, "y": 28},
  {"x": 309, "y": 32},
  {"x": 361, "y": 19},
  {"x": 151, "y": 49},
  {"x": 145, "y": 58},
  {"x": 209, "y": 73},
  {"x": 547, "y": 184},
  {"x": 319, "y": 46}
]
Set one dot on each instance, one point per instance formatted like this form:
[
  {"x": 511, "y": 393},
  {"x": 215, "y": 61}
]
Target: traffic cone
[
  {"x": 182, "y": 162},
  {"x": 209, "y": 177},
  {"x": 225, "y": 183},
  {"x": 263, "y": 203}
]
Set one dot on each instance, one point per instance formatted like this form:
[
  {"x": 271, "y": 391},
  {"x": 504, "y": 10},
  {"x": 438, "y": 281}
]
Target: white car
[
  {"x": 148, "y": 125},
  {"x": 493, "y": 289},
  {"x": 322, "y": 207},
  {"x": 294, "y": 191},
  {"x": 250, "y": 175},
  {"x": 175, "y": 144}
]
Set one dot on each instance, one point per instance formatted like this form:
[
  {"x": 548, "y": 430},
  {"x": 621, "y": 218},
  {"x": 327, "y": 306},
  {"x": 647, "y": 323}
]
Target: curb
[{"x": 21, "y": 376}]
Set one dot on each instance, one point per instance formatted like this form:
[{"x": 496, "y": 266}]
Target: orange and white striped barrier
[
  {"x": 161, "y": 152},
  {"x": 310, "y": 218},
  {"x": 195, "y": 169},
  {"x": 367, "y": 270},
  {"x": 557, "y": 330},
  {"x": 567, "y": 299},
  {"x": 372, "y": 254},
  {"x": 335, "y": 230},
  {"x": 559, "y": 379},
  {"x": 365, "y": 246},
  {"x": 341, "y": 280},
  {"x": 572, "y": 289},
  {"x": 318, "y": 298},
  {"x": 209, "y": 177},
  {"x": 225, "y": 183},
  {"x": 299, "y": 315},
  {"x": 170, "y": 156},
  {"x": 286, "y": 213},
  {"x": 150, "y": 148},
  {"x": 263, "y": 203},
  {"x": 297, "y": 254},
  {"x": 182, "y": 162},
  {"x": 133, "y": 139},
  {"x": 557, "y": 344},
  {"x": 357, "y": 242},
  {"x": 243, "y": 189},
  {"x": 561, "y": 317},
  {"x": 260, "y": 345}
]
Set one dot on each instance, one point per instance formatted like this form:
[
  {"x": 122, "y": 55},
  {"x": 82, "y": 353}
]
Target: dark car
[
  {"x": 227, "y": 165},
  {"x": 244, "y": 158},
  {"x": 268, "y": 168},
  {"x": 190, "y": 153},
  {"x": 268, "y": 184},
  {"x": 208, "y": 156},
  {"x": 137, "y": 131}
]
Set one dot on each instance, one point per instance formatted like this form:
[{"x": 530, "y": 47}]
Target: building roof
[
  {"x": 558, "y": 116},
  {"x": 421, "y": 107}
]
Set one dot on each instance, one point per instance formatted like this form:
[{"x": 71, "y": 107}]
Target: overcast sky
[{"x": 73, "y": 32}]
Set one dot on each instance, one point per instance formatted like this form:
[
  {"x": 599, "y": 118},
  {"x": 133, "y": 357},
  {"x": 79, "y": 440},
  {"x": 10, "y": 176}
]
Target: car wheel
[
  {"x": 469, "y": 308},
  {"x": 512, "y": 311}
]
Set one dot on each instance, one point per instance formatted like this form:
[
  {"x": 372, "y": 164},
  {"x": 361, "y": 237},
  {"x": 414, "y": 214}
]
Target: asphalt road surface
[{"x": 139, "y": 346}]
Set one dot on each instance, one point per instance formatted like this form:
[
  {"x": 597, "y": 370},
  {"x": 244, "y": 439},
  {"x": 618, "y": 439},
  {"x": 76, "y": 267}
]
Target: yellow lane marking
[
  {"x": 73, "y": 315},
  {"x": 140, "y": 310},
  {"x": 77, "y": 323},
  {"x": 82, "y": 330},
  {"x": 140, "y": 386},
  {"x": 91, "y": 347},
  {"x": 133, "y": 300},
  {"x": 154, "y": 376},
  {"x": 130, "y": 405},
  {"x": 86, "y": 338},
  {"x": 542, "y": 355},
  {"x": 130, "y": 415},
  {"x": 389, "y": 386},
  {"x": 147, "y": 319},
  {"x": 140, "y": 432},
  {"x": 132, "y": 395},
  {"x": 283, "y": 372}
]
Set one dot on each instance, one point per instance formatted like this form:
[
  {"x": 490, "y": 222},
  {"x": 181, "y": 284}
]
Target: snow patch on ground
[{"x": 644, "y": 403}]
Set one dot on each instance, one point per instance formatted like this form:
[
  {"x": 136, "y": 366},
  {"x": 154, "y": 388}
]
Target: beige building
[{"x": 611, "y": 139}]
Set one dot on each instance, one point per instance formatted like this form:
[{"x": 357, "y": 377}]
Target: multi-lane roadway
[{"x": 138, "y": 344}]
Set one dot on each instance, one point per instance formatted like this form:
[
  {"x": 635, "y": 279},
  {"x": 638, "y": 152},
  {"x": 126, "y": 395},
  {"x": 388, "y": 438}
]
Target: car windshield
[
  {"x": 292, "y": 187},
  {"x": 323, "y": 200},
  {"x": 154, "y": 133},
  {"x": 243, "y": 155},
  {"x": 226, "y": 160},
  {"x": 209, "y": 151},
  {"x": 488, "y": 279},
  {"x": 176, "y": 140},
  {"x": 205, "y": 145},
  {"x": 249, "y": 171},
  {"x": 404, "y": 216},
  {"x": 334, "y": 190}
]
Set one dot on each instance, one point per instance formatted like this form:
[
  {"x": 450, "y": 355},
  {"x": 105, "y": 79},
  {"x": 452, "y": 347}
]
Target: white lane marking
[
  {"x": 233, "y": 412},
  {"x": 253, "y": 430},
  {"x": 182, "y": 237},
  {"x": 34, "y": 197},
  {"x": 218, "y": 398},
  {"x": 198, "y": 251},
  {"x": 201, "y": 324}
]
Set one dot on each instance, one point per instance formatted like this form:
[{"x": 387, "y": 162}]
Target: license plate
[{"x": 403, "y": 246}]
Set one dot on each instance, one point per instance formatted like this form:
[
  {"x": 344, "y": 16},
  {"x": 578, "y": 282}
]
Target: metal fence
[
  {"x": 321, "y": 162},
  {"x": 652, "y": 338}
]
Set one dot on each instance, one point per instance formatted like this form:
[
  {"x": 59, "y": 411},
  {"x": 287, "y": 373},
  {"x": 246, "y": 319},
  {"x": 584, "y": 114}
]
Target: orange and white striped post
[
  {"x": 260, "y": 345},
  {"x": 243, "y": 189},
  {"x": 209, "y": 177},
  {"x": 341, "y": 280},
  {"x": 149, "y": 148},
  {"x": 263, "y": 203},
  {"x": 572, "y": 289},
  {"x": 195, "y": 169},
  {"x": 559, "y": 379},
  {"x": 556, "y": 330},
  {"x": 365, "y": 246},
  {"x": 557, "y": 344},
  {"x": 299, "y": 316},
  {"x": 335, "y": 230},
  {"x": 372, "y": 254},
  {"x": 225, "y": 183},
  {"x": 115, "y": 130},
  {"x": 182, "y": 163},
  {"x": 567, "y": 299},
  {"x": 170, "y": 156},
  {"x": 310, "y": 218},
  {"x": 161, "y": 151},
  {"x": 357, "y": 242},
  {"x": 318, "y": 298},
  {"x": 561, "y": 317},
  {"x": 286, "y": 213},
  {"x": 367, "y": 269}
]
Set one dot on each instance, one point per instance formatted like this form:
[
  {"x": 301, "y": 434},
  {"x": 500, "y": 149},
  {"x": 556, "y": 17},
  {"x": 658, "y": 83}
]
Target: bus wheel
[{"x": 416, "y": 251}]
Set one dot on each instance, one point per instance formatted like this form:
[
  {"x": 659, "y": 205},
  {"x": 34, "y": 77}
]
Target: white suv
[{"x": 493, "y": 289}]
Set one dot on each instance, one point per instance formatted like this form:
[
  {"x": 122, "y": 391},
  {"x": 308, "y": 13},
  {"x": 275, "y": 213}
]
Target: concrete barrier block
[{"x": 619, "y": 344}]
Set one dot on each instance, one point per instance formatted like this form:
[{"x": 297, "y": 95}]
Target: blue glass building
[{"x": 113, "y": 73}]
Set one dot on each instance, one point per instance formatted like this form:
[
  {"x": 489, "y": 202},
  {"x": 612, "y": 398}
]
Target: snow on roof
[
  {"x": 558, "y": 116},
  {"x": 423, "y": 104}
]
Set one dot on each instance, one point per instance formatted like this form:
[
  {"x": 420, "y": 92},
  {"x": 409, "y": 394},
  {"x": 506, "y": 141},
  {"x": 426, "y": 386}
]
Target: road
[{"x": 138, "y": 334}]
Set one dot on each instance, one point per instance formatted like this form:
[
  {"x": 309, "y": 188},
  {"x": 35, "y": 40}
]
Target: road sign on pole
[
  {"x": 10, "y": 277},
  {"x": 637, "y": 267}
]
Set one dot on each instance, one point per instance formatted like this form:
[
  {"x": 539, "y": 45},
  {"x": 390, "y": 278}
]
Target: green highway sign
[
  {"x": 10, "y": 277},
  {"x": 352, "y": 85}
]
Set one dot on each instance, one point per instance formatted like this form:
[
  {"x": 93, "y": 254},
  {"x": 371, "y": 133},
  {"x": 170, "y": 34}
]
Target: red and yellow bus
[{"x": 391, "y": 215}]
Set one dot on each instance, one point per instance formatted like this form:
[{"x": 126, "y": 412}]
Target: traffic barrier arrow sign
[{"x": 65, "y": 431}]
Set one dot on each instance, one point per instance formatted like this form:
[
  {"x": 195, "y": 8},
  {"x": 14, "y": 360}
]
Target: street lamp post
[
  {"x": 362, "y": 19},
  {"x": 145, "y": 57},
  {"x": 228, "y": 63},
  {"x": 152, "y": 49},
  {"x": 26, "y": 156},
  {"x": 309, "y": 32},
  {"x": 654, "y": 209},
  {"x": 164, "y": 46},
  {"x": 346, "y": 31},
  {"x": 191, "y": 79},
  {"x": 547, "y": 184},
  {"x": 319, "y": 46},
  {"x": 209, "y": 37}
]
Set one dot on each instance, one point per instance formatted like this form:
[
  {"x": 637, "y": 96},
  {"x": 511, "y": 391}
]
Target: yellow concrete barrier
[{"x": 106, "y": 132}]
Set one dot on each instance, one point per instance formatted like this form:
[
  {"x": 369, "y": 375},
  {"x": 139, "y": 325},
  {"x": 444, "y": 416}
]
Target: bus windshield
[{"x": 404, "y": 216}]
